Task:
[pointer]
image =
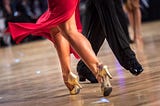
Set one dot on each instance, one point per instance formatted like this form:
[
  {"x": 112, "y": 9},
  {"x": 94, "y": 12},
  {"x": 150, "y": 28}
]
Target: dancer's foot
[
  {"x": 90, "y": 77},
  {"x": 103, "y": 77},
  {"x": 84, "y": 73},
  {"x": 73, "y": 84},
  {"x": 134, "y": 67}
]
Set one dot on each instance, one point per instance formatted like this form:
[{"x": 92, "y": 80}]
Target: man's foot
[
  {"x": 134, "y": 67},
  {"x": 84, "y": 73},
  {"x": 2, "y": 43}
]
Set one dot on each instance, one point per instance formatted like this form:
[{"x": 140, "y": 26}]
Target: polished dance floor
[{"x": 30, "y": 75}]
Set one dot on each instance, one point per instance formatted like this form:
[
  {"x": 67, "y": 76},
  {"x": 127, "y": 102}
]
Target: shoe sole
[{"x": 107, "y": 91}]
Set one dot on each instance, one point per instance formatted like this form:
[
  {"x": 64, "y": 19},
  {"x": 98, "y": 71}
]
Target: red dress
[{"x": 58, "y": 11}]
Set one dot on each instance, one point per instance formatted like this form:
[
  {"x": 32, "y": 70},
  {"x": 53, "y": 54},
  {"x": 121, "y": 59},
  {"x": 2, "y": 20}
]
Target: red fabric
[{"x": 58, "y": 11}]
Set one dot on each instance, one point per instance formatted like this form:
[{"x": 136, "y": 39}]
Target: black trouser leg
[
  {"x": 114, "y": 33},
  {"x": 107, "y": 24},
  {"x": 122, "y": 18},
  {"x": 101, "y": 17}
]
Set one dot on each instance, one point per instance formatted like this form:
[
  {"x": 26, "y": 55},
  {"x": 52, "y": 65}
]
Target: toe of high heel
[
  {"x": 75, "y": 90},
  {"x": 73, "y": 81}
]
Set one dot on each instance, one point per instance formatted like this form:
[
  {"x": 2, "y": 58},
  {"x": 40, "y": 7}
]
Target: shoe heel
[{"x": 106, "y": 87}]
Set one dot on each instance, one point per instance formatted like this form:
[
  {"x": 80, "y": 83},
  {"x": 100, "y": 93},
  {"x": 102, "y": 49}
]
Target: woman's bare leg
[
  {"x": 84, "y": 49},
  {"x": 137, "y": 21},
  {"x": 134, "y": 16},
  {"x": 63, "y": 50},
  {"x": 79, "y": 43},
  {"x": 131, "y": 22}
]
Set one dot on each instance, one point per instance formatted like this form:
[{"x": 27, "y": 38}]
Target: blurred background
[{"x": 30, "y": 10}]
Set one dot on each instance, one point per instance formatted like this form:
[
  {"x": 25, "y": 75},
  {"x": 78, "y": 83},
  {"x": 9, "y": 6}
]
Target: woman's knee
[
  {"x": 68, "y": 31},
  {"x": 69, "y": 27},
  {"x": 132, "y": 5},
  {"x": 135, "y": 4}
]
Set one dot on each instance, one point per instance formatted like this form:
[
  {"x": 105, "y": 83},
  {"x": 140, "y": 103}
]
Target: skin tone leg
[
  {"x": 134, "y": 15},
  {"x": 70, "y": 35},
  {"x": 79, "y": 43},
  {"x": 63, "y": 50},
  {"x": 131, "y": 21},
  {"x": 137, "y": 22}
]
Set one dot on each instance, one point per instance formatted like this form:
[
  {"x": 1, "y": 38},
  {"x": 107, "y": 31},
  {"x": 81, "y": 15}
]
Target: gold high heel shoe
[
  {"x": 106, "y": 87},
  {"x": 73, "y": 84}
]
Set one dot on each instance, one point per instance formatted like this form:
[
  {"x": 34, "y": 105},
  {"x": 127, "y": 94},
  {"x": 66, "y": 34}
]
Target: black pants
[
  {"x": 102, "y": 23},
  {"x": 122, "y": 17}
]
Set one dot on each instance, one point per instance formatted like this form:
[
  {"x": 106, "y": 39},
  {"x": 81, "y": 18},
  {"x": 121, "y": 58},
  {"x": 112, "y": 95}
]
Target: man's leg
[
  {"x": 122, "y": 18},
  {"x": 114, "y": 34},
  {"x": 116, "y": 37}
]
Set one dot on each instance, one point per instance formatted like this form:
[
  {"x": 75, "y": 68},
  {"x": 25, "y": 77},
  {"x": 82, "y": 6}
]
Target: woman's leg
[
  {"x": 137, "y": 20},
  {"x": 93, "y": 31},
  {"x": 132, "y": 24},
  {"x": 63, "y": 50},
  {"x": 80, "y": 44},
  {"x": 129, "y": 10},
  {"x": 134, "y": 15},
  {"x": 84, "y": 49}
]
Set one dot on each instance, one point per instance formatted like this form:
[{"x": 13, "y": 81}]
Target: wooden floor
[{"x": 30, "y": 75}]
